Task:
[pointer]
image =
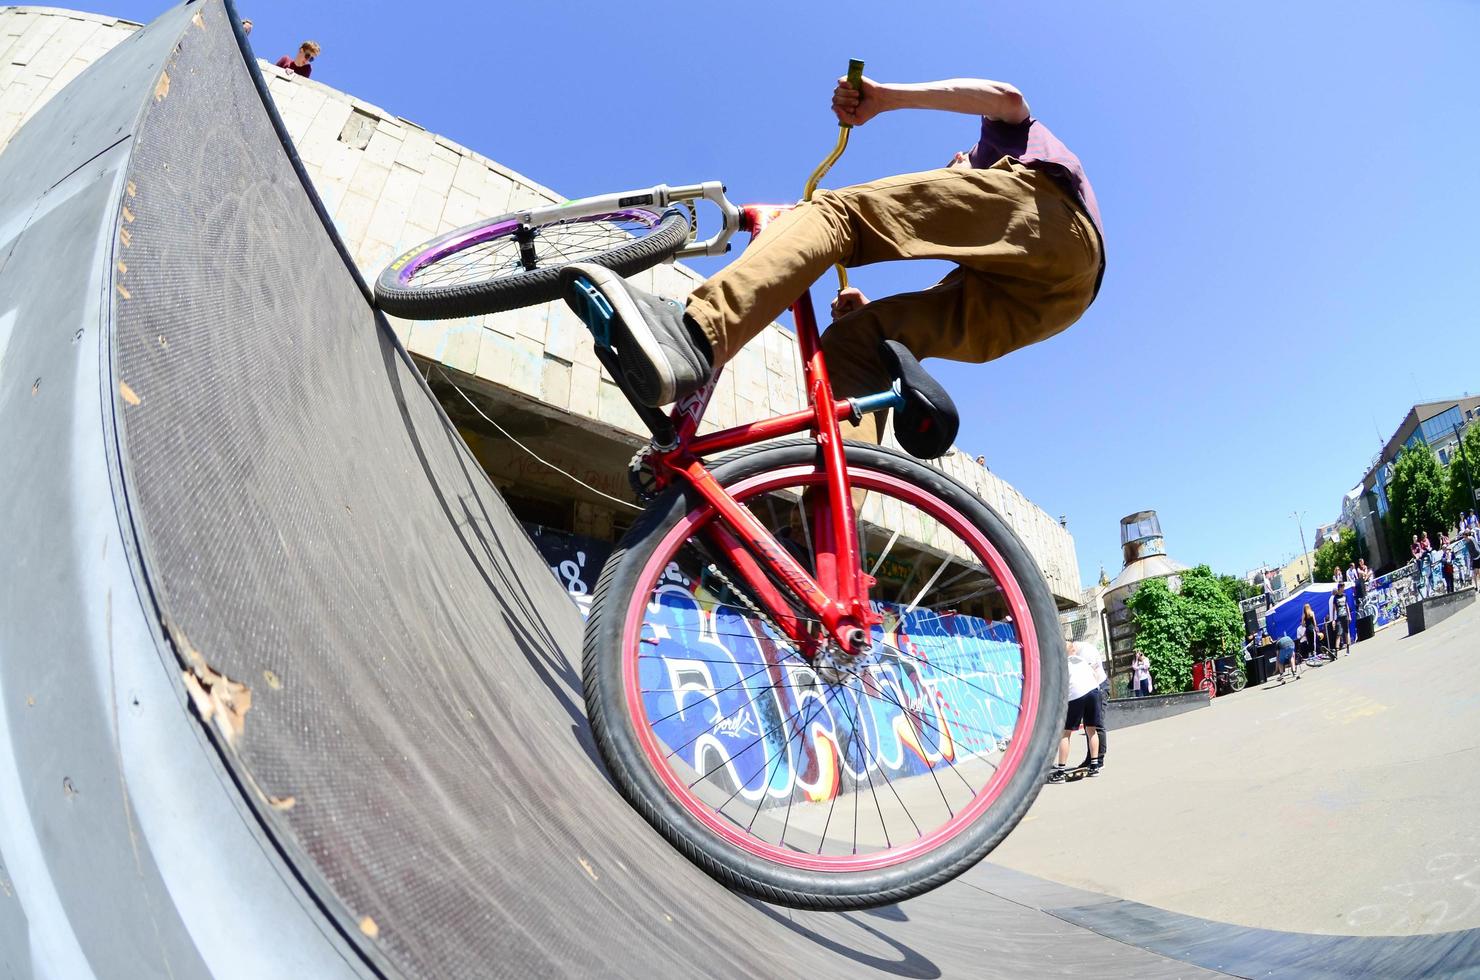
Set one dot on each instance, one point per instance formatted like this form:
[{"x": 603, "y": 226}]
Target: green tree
[
  {"x": 1236, "y": 588},
  {"x": 1464, "y": 473},
  {"x": 1216, "y": 626},
  {"x": 1418, "y": 493},
  {"x": 1163, "y": 633},
  {"x": 1337, "y": 554},
  {"x": 1175, "y": 629}
]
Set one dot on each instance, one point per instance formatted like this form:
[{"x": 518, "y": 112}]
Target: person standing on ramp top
[{"x": 1016, "y": 213}]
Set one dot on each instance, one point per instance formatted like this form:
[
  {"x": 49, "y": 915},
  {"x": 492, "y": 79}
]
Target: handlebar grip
[{"x": 855, "y": 73}]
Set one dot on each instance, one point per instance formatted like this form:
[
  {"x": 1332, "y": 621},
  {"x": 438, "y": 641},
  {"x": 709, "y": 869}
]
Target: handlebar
[{"x": 855, "y": 80}]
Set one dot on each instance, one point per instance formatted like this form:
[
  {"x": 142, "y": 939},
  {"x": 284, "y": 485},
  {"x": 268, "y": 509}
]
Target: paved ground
[{"x": 1345, "y": 803}]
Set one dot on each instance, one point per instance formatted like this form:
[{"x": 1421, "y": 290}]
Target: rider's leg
[
  {"x": 969, "y": 316},
  {"x": 1008, "y": 227}
]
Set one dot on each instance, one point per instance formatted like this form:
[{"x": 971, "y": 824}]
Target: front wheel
[
  {"x": 842, "y": 787},
  {"x": 506, "y": 263},
  {"x": 1237, "y": 681}
]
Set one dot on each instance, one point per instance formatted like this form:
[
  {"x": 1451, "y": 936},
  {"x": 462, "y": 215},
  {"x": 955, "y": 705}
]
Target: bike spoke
[{"x": 943, "y": 688}]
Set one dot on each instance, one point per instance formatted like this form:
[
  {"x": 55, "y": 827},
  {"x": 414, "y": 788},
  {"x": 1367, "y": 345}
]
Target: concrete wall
[{"x": 389, "y": 184}]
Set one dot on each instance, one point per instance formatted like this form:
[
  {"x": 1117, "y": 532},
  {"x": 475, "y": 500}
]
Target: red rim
[{"x": 1022, "y": 620}]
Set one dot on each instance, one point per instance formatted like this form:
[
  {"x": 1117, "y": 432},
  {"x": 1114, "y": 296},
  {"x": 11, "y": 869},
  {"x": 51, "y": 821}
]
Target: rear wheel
[
  {"x": 504, "y": 263},
  {"x": 1237, "y": 680},
  {"x": 817, "y": 787},
  {"x": 1208, "y": 687}
]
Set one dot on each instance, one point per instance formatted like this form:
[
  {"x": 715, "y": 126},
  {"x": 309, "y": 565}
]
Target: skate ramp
[{"x": 284, "y": 688}]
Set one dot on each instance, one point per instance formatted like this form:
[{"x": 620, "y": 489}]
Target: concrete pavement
[{"x": 1347, "y": 802}]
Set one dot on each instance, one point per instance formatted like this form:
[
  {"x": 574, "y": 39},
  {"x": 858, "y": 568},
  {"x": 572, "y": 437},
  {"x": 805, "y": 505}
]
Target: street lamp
[
  {"x": 1310, "y": 575},
  {"x": 1464, "y": 458}
]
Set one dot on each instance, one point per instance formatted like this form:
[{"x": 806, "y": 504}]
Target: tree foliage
[
  {"x": 1237, "y": 589},
  {"x": 1176, "y": 629},
  {"x": 1418, "y": 493},
  {"x": 1464, "y": 473},
  {"x": 1163, "y": 634},
  {"x": 1338, "y": 554}
]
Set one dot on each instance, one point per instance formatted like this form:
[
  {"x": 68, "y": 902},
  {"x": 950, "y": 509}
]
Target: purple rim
[{"x": 497, "y": 229}]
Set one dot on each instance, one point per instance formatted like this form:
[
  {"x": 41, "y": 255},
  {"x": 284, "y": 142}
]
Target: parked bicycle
[
  {"x": 822, "y": 706},
  {"x": 1222, "y": 680}
]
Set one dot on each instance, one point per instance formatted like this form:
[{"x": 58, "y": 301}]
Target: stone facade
[{"x": 389, "y": 185}]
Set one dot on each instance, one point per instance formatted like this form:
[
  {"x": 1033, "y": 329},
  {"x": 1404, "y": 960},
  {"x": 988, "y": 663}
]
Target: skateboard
[{"x": 1077, "y": 773}]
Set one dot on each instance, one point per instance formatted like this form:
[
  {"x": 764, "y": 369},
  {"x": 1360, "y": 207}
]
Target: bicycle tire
[
  {"x": 622, "y": 587},
  {"x": 1208, "y": 686},
  {"x": 1237, "y": 681},
  {"x": 408, "y": 288}
]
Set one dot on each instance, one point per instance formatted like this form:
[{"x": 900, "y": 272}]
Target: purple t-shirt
[
  {"x": 286, "y": 61},
  {"x": 1034, "y": 145}
]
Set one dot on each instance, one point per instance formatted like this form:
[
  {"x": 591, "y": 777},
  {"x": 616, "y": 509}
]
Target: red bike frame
[{"x": 838, "y": 596}]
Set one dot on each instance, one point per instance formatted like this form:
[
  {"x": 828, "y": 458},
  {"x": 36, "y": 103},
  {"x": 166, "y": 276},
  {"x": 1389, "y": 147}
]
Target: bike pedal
[{"x": 595, "y": 312}]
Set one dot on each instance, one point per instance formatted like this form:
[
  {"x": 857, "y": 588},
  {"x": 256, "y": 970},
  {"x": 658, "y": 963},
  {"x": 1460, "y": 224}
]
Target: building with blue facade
[{"x": 1439, "y": 425}]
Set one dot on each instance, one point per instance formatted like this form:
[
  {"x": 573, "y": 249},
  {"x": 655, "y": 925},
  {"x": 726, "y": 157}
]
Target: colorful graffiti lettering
[{"x": 737, "y": 706}]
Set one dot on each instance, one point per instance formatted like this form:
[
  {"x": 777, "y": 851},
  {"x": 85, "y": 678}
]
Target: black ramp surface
[{"x": 386, "y": 657}]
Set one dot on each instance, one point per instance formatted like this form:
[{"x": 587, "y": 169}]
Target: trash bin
[{"x": 1365, "y": 628}]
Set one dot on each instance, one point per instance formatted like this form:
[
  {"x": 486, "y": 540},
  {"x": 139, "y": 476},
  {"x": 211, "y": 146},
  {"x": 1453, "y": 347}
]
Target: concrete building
[{"x": 524, "y": 387}]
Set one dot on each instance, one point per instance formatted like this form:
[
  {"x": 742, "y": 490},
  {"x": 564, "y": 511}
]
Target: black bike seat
[{"x": 927, "y": 424}]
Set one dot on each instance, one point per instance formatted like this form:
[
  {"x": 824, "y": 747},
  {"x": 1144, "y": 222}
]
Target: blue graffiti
[{"x": 733, "y": 703}]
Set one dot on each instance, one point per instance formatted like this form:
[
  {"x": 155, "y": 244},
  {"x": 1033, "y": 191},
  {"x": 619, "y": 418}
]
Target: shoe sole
[{"x": 644, "y": 365}]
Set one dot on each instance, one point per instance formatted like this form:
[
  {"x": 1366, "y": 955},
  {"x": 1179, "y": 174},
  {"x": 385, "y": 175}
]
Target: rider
[{"x": 1015, "y": 212}]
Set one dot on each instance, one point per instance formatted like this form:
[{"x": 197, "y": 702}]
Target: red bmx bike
[{"x": 820, "y": 704}]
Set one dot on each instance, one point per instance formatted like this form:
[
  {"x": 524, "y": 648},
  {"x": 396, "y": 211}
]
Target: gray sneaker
[{"x": 660, "y": 357}]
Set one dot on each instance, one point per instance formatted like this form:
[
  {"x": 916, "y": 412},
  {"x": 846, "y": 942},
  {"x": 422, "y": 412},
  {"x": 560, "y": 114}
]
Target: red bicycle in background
[{"x": 820, "y": 704}]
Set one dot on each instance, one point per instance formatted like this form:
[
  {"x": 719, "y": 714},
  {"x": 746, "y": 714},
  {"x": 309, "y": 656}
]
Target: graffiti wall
[
  {"x": 737, "y": 705},
  {"x": 735, "y": 701},
  {"x": 574, "y": 560}
]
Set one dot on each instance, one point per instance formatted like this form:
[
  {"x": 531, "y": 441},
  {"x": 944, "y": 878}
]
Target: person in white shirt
[{"x": 1086, "y": 673}]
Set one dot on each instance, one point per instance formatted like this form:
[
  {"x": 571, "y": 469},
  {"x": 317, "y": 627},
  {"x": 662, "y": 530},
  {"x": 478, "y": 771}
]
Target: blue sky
[{"x": 1291, "y": 196}]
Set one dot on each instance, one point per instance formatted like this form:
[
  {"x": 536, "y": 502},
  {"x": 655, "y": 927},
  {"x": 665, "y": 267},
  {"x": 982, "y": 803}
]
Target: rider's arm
[{"x": 975, "y": 96}]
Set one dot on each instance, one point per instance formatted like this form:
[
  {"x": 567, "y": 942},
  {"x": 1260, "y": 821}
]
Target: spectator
[
  {"x": 1361, "y": 576},
  {"x": 1096, "y": 656},
  {"x": 1287, "y": 658},
  {"x": 1268, "y": 592},
  {"x": 1447, "y": 557},
  {"x": 1141, "y": 674},
  {"x": 1312, "y": 632},
  {"x": 301, "y": 63},
  {"x": 1341, "y": 617},
  {"x": 1083, "y": 709},
  {"x": 246, "y": 26}
]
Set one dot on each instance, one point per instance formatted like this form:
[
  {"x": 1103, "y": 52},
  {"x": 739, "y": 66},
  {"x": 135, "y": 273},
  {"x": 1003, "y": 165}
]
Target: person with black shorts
[{"x": 1085, "y": 707}]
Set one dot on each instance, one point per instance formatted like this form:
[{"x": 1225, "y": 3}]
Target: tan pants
[{"x": 1027, "y": 264}]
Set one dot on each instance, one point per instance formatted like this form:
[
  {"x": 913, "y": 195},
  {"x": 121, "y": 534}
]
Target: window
[
  {"x": 1441, "y": 425},
  {"x": 1444, "y": 456}
]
